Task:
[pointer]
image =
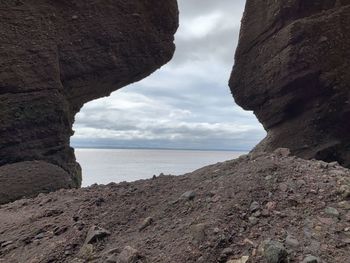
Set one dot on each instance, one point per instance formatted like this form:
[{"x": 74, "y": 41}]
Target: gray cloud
[
  {"x": 186, "y": 104},
  {"x": 195, "y": 8}
]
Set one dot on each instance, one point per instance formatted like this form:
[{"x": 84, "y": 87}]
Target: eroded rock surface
[
  {"x": 292, "y": 69},
  {"x": 30, "y": 178},
  {"x": 57, "y": 55}
]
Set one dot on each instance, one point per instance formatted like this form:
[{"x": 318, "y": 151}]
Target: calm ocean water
[{"x": 103, "y": 166}]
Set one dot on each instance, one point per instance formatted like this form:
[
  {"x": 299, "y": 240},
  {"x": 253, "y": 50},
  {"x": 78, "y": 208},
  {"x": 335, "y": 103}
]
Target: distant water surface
[{"x": 103, "y": 166}]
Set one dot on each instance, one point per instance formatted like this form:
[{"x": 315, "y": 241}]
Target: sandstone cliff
[
  {"x": 56, "y": 55},
  {"x": 292, "y": 69}
]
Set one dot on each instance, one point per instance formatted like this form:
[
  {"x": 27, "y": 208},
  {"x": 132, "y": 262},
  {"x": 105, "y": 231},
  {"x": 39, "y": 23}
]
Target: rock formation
[
  {"x": 56, "y": 55},
  {"x": 31, "y": 177},
  {"x": 292, "y": 69}
]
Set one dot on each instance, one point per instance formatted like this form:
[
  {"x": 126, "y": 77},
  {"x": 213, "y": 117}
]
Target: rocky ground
[{"x": 259, "y": 208}]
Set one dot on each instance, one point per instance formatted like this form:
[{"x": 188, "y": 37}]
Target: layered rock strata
[
  {"x": 292, "y": 69},
  {"x": 57, "y": 55}
]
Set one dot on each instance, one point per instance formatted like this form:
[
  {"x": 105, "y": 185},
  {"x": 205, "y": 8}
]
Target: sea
[{"x": 102, "y": 166}]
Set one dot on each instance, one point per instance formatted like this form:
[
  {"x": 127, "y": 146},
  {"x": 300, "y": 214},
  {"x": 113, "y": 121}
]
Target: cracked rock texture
[
  {"x": 56, "y": 55},
  {"x": 292, "y": 69}
]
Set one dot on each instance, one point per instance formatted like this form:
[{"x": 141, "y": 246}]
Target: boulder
[{"x": 27, "y": 179}]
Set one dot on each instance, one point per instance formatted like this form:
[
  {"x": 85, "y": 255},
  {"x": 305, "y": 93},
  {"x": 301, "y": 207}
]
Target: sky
[{"x": 186, "y": 104}]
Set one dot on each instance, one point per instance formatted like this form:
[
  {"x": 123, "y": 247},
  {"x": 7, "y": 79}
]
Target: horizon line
[{"x": 157, "y": 148}]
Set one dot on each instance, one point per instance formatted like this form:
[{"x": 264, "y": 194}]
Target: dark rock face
[
  {"x": 30, "y": 178},
  {"x": 292, "y": 69},
  {"x": 56, "y": 55}
]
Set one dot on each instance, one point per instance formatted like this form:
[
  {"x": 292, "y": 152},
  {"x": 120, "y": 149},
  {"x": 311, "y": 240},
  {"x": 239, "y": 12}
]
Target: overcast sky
[{"x": 185, "y": 104}]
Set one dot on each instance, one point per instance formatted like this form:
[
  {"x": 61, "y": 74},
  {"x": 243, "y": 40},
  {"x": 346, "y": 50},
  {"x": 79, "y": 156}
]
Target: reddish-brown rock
[
  {"x": 56, "y": 55},
  {"x": 106, "y": 223},
  {"x": 30, "y": 178},
  {"x": 293, "y": 70}
]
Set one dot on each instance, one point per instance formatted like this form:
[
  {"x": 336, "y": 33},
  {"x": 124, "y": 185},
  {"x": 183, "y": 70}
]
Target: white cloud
[
  {"x": 200, "y": 26},
  {"x": 187, "y": 103}
]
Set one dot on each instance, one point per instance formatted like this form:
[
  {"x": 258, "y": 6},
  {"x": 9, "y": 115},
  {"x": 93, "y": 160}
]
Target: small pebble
[
  {"x": 147, "y": 222},
  {"x": 253, "y": 220},
  {"x": 254, "y": 206},
  {"x": 292, "y": 242},
  {"x": 275, "y": 252},
  {"x": 332, "y": 211},
  {"x": 189, "y": 195},
  {"x": 311, "y": 259},
  {"x": 96, "y": 233}
]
